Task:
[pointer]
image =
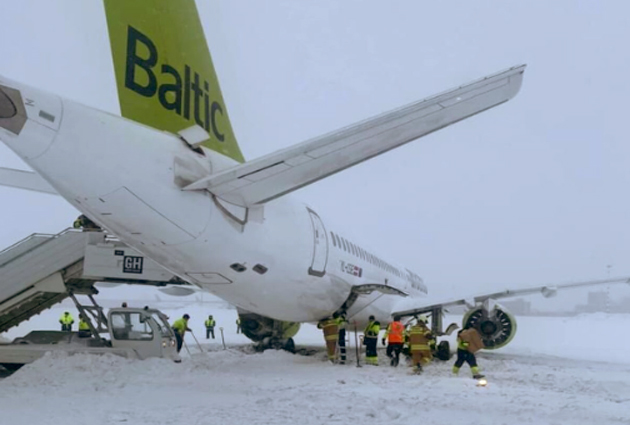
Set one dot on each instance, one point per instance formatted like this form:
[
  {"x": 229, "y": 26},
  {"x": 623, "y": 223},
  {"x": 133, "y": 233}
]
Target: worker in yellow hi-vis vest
[
  {"x": 66, "y": 321},
  {"x": 84, "y": 328},
  {"x": 210, "y": 324},
  {"x": 180, "y": 326},
  {"x": 370, "y": 339}
]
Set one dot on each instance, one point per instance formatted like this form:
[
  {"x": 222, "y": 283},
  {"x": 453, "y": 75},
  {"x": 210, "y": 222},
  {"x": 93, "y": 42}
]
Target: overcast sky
[{"x": 531, "y": 192}]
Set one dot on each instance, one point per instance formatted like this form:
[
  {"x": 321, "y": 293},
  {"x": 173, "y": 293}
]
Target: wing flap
[{"x": 274, "y": 175}]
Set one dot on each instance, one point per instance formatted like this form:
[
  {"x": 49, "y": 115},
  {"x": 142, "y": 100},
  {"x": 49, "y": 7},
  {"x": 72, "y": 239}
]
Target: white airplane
[{"x": 170, "y": 181}]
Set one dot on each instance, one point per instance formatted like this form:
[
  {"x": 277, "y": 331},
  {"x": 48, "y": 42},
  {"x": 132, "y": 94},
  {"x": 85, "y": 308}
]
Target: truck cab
[
  {"x": 135, "y": 333},
  {"x": 145, "y": 331}
]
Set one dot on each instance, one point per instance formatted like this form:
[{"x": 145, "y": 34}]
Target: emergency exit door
[{"x": 320, "y": 246}]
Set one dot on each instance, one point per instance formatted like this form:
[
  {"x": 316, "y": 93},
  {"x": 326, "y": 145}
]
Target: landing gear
[{"x": 268, "y": 333}]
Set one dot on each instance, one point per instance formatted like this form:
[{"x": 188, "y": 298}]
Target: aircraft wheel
[
  {"x": 443, "y": 351},
  {"x": 290, "y": 345}
]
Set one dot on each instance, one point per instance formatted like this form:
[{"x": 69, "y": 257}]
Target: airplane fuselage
[{"x": 281, "y": 261}]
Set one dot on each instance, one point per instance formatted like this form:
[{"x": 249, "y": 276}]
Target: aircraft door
[{"x": 320, "y": 248}]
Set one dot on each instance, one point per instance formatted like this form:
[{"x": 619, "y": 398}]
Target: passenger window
[
  {"x": 332, "y": 236},
  {"x": 345, "y": 246}
]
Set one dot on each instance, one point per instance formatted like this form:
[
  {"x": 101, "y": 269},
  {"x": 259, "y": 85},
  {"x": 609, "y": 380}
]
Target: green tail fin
[{"x": 164, "y": 71}]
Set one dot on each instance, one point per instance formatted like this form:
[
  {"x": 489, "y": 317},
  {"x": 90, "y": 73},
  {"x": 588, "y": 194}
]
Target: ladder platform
[{"x": 43, "y": 270}]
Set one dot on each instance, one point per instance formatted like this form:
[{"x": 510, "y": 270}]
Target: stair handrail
[{"x": 26, "y": 239}]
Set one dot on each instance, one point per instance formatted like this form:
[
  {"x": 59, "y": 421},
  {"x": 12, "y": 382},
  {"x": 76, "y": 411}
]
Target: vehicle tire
[{"x": 290, "y": 346}]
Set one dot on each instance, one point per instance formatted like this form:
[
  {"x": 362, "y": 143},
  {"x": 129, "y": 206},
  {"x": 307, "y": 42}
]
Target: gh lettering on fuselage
[{"x": 187, "y": 96}]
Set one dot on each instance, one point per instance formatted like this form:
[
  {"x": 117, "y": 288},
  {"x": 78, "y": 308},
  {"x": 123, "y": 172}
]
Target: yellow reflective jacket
[
  {"x": 181, "y": 326},
  {"x": 83, "y": 326},
  {"x": 371, "y": 330},
  {"x": 341, "y": 322},
  {"x": 66, "y": 319}
]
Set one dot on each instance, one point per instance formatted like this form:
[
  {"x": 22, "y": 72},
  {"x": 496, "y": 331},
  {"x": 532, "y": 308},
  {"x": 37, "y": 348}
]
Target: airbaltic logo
[{"x": 176, "y": 95}]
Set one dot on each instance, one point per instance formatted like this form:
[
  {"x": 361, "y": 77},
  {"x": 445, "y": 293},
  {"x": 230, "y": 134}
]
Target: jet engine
[
  {"x": 267, "y": 332},
  {"x": 495, "y": 324}
]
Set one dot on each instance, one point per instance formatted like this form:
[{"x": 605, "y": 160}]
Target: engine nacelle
[
  {"x": 495, "y": 324},
  {"x": 269, "y": 333}
]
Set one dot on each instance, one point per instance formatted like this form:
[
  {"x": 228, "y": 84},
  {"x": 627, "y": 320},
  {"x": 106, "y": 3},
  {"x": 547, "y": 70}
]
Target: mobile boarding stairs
[{"x": 43, "y": 270}]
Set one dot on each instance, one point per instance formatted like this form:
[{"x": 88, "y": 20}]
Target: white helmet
[{"x": 423, "y": 319}]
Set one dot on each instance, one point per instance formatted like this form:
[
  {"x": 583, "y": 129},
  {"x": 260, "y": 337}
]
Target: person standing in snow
[
  {"x": 180, "y": 326},
  {"x": 370, "y": 339},
  {"x": 238, "y": 325},
  {"x": 419, "y": 340},
  {"x": 395, "y": 338},
  {"x": 84, "y": 328},
  {"x": 210, "y": 324},
  {"x": 66, "y": 321},
  {"x": 330, "y": 327}
]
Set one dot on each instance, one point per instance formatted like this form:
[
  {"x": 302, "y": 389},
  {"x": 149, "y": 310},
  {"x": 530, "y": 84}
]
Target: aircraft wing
[
  {"x": 547, "y": 291},
  {"x": 25, "y": 180},
  {"x": 276, "y": 174}
]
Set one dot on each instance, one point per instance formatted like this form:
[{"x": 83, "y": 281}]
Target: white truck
[{"x": 133, "y": 333}]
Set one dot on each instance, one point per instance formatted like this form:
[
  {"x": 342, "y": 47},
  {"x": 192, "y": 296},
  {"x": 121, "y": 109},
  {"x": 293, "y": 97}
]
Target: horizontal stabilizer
[
  {"x": 284, "y": 171},
  {"x": 27, "y": 180}
]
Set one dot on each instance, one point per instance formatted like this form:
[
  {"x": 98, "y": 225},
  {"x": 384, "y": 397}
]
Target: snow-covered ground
[{"x": 556, "y": 371}]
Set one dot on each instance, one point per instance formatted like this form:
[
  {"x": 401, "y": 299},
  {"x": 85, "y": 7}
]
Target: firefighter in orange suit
[
  {"x": 330, "y": 327},
  {"x": 419, "y": 344},
  {"x": 395, "y": 338}
]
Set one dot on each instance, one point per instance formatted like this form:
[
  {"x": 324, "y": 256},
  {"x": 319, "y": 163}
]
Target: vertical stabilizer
[{"x": 164, "y": 71}]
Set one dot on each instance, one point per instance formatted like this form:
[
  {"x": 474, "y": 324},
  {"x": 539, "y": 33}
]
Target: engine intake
[{"x": 496, "y": 325}]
